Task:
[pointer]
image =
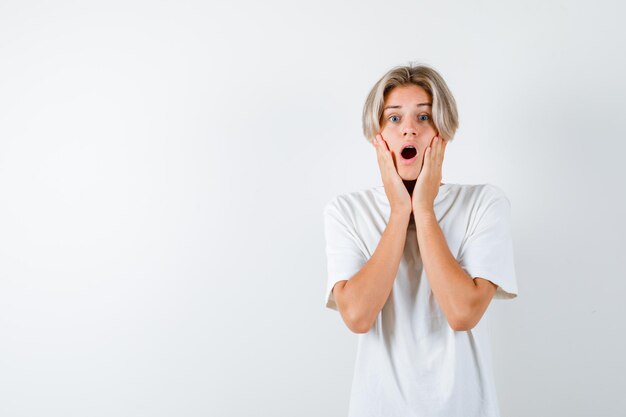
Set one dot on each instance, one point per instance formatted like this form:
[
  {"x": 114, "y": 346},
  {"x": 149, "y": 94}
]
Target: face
[{"x": 407, "y": 120}]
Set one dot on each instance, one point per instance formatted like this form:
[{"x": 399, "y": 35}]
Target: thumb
[{"x": 425, "y": 163}]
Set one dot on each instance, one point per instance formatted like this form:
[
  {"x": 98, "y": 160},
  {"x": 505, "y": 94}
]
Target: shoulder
[
  {"x": 480, "y": 193},
  {"x": 356, "y": 200},
  {"x": 476, "y": 201}
]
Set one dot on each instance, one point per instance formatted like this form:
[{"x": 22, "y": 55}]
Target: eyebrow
[{"x": 398, "y": 107}]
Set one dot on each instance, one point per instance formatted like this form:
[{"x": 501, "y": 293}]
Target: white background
[{"x": 163, "y": 168}]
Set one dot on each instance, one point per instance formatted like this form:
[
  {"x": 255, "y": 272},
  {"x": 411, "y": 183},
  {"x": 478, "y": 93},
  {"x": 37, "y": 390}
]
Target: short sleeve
[
  {"x": 488, "y": 250},
  {"x": 343, "y": 250}
]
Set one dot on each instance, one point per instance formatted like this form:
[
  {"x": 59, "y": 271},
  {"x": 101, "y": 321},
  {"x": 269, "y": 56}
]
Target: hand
[
  {"x": 429, "y": 178},
  {"x": 397, "y": 194}
]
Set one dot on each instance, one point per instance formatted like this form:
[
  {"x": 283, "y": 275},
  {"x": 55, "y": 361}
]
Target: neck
[{"x": 410, "y": 185}]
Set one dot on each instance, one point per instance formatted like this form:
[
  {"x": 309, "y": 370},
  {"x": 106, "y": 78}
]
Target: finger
[
  {"x": 380, "y": 147},
  {"x": 433, "y": 142},
  {"x": 432, "y": 153},
  {"x": 424, "y": 165},
  {"x": 385, "y": 148},
  {"x": 444, "y": 143},
  {"x": 427, "y": 158},
  {"x": 383, "y": 141},
  {"x": 437, "y": 156},
  {"x": 384, "y": 158},
  {"x": 389, "y": 157},
  {"x": 393, "y": 164},
  {"x": 380, "y": 153},
  {"x": 379, "y": 142}
]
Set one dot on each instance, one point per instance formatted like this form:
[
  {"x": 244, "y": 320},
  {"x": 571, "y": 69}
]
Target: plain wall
[{"x": 164, "y": 165}]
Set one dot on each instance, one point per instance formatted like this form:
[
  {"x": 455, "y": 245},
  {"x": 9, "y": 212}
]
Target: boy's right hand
[{"x": 397, "y": 194}]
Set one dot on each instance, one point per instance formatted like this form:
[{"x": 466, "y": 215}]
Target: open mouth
[{"x": 409, "y": 152}]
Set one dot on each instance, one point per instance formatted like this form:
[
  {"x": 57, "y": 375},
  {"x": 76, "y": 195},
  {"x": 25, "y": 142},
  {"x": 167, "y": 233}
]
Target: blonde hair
[{"x": 445, "y": 116}]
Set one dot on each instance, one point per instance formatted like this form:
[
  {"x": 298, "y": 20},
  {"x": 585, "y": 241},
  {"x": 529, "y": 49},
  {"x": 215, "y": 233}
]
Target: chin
[{"x": 409, "y": 177}]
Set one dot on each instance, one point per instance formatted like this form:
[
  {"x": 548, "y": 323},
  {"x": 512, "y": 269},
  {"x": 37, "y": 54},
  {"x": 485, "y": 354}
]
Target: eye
[
  {"x": 391, "y": 118},
  {"x": 424, "y": 117}
]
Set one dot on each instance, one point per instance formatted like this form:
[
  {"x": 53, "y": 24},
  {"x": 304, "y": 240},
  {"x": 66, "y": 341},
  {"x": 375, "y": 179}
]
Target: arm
[
  {"x": 462, "y": 299},
  {"x": 363, "y": 296}
]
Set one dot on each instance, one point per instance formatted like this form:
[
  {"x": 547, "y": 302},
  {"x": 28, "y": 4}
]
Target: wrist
[
  {"x": 422, "y": 210},
  {"x": 402, "y": 215}
]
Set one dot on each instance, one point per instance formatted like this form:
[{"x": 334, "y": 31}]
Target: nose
[{"x": 409, "y": 128}]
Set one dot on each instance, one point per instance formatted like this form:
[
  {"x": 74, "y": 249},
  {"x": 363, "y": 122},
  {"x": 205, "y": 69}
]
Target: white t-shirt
[{"x": 411, "y": 363}]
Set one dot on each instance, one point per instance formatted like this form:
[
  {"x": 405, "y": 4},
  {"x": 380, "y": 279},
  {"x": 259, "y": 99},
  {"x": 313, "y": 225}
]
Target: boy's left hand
[{"x": 429, "y": 178}]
